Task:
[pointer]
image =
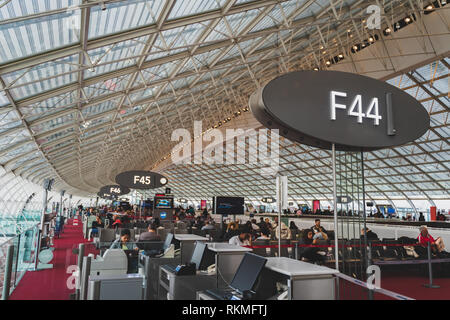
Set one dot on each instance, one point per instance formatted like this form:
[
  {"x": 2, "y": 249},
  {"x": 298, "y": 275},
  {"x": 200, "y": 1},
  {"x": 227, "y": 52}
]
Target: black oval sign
[
  {"x": 319, "y": 108},
  {"x": 115, "y": 189},
  {"x": 141, "y": 179}
]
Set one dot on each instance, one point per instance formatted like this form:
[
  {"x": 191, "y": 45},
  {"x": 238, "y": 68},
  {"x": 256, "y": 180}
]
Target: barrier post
[
  {"x": 430, "y": 271},
  {"x": 8, "y": 271},
  {"x": 80, "y": 268},
  {"x": 369, "y": 263}
]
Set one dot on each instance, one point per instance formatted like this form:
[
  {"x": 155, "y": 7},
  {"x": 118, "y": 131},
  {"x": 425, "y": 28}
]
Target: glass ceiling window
[
  {"x": 42, "y": 77},
  {"x": 123, "y": 16},
  {"x": 179, "y": 82},
  {"x": 31, "y": 36},
  {"x": 187, "y": 8}
]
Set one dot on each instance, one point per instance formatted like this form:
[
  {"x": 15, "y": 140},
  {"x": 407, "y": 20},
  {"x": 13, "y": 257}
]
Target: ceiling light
[
  {"x": 316, "y": 69},
  {"x": 321, "y": 47},
  {"x": 351, "y": 36},
  {"x": 324, "y": 52},
  {"x": 328, "y": 63},
  {"x": 407, "y": 19},
  {"x": 341, "y": 56},
  {"x": 355, "y": 48},
  {"x": 371, "y": 39},
  {"x": 397, "y": 25},
  {"x": 429, "y": 7},
  {"x": 444, "y": 2},
  {"x": 388, "y": 30}
]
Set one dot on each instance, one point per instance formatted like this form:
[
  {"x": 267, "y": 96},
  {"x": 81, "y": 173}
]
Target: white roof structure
[{"x": 91, "y": 88}]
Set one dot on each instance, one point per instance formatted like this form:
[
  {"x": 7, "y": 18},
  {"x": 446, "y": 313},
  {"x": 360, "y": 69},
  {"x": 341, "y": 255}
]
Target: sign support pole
[
  {"x": 336, "y": 242},
  {"x": 335, "y": 207}
]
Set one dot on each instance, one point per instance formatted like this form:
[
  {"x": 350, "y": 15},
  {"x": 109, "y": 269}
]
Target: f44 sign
[{"x": 356, "y": 108}]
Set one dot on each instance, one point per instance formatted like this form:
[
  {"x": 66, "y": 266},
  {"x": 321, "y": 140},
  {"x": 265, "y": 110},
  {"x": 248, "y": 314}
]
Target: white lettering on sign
[
  {"x": 355, "y": 110},
  {"x": 114, "y": 190},
  {"x": 142, "y": 179}
]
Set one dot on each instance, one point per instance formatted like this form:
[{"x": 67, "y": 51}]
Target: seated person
[
  {"x": 116, "y": 222},
  {"x": 149, "y": 236},
  {"x": 232, "y": 230},
  {"x": 243, "y": 239},
  {"x": 285, "y": 231},
  {"x": 319, "y": 231},
  {"x": 124, "y": 241},
  {"x": 208, "y": 226},
  {"x": 265, "y": 234},
  {"x": 255, "y": 227},
  {"x": 369, "y": 234},
  {"x": 437, "y": 245},
  {"x": 95, "y": 225},
  {"x": 311, "y": 253},
  {"x": 293, "y": 226}
]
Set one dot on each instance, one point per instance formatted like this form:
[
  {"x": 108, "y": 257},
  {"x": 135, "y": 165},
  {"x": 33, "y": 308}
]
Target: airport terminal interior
[{"x": 224, "y": 150}]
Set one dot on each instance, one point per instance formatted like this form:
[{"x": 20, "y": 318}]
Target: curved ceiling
[{"x": 86, "y": 93}]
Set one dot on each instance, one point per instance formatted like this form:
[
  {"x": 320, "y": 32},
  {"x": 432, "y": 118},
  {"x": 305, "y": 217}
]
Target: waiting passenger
[
  {"x": 208, "y": 226},
  {"x": 151, "y": 234},
  {"x": 369, "y": 234},
  {"x": 255, "y": 227},
  {"x": 421, "y": 217},
  {"x": 243, "y": 239},
  {"x": 117, "y": 222},
  {"x": 424, "y": 238},
  {"x": 285, "y": 231},
  {"x": 319, "y": 230},
  {"x": 95, "y": 225},
  {"x": 310, "y": 253},
  {"x": 124, "y": 241},
  {"x": 293, "y": 226}
]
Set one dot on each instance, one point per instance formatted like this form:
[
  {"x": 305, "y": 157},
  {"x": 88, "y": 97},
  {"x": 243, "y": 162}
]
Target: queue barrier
[{"x": 428, "y": 261}]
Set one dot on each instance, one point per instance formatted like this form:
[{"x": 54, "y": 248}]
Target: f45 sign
[
  {"x": 142, "y": 179},
  {"x": 356, "y": 108}
]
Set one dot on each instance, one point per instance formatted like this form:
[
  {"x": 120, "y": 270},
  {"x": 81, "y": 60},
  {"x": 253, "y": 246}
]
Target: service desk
[
  {"x": 227, "y": 259},
  {"x": 183, "y": 287},
  {"x": 187, "y": 244},
  {"x": 305, "y": 281}
]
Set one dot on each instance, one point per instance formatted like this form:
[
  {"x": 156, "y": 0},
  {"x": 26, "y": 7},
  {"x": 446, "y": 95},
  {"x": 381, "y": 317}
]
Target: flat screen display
[
  {"x": 164, "y": 203},
  {"x": 248, "y": 272},
  {"x": 202, "y": 204},
  {"x": 229, "y": 205},
  {"x": 201, "y": 256}
]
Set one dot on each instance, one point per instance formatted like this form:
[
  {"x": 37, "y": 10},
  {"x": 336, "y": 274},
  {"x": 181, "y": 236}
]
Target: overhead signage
[
  {"x": 115, "y": 189},
  {"x": 107, "y": 196},
  {"x": 268, "y": 200},
  {"x": 141, "y": 179},
  {"x": 355, "y": 112},
  {"x": 344, "y": 199}
]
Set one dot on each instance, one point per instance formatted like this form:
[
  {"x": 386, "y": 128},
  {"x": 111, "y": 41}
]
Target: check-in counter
[
  {"x": 187, "y": 244},
  {"x": 305, "y": 281},
  {"x": 227, "y": 257}
]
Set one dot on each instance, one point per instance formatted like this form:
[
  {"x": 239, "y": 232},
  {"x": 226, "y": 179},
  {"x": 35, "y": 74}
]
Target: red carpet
[
  {"x": 51, "y": 284},
  {"x": 411, "y": 285}
]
